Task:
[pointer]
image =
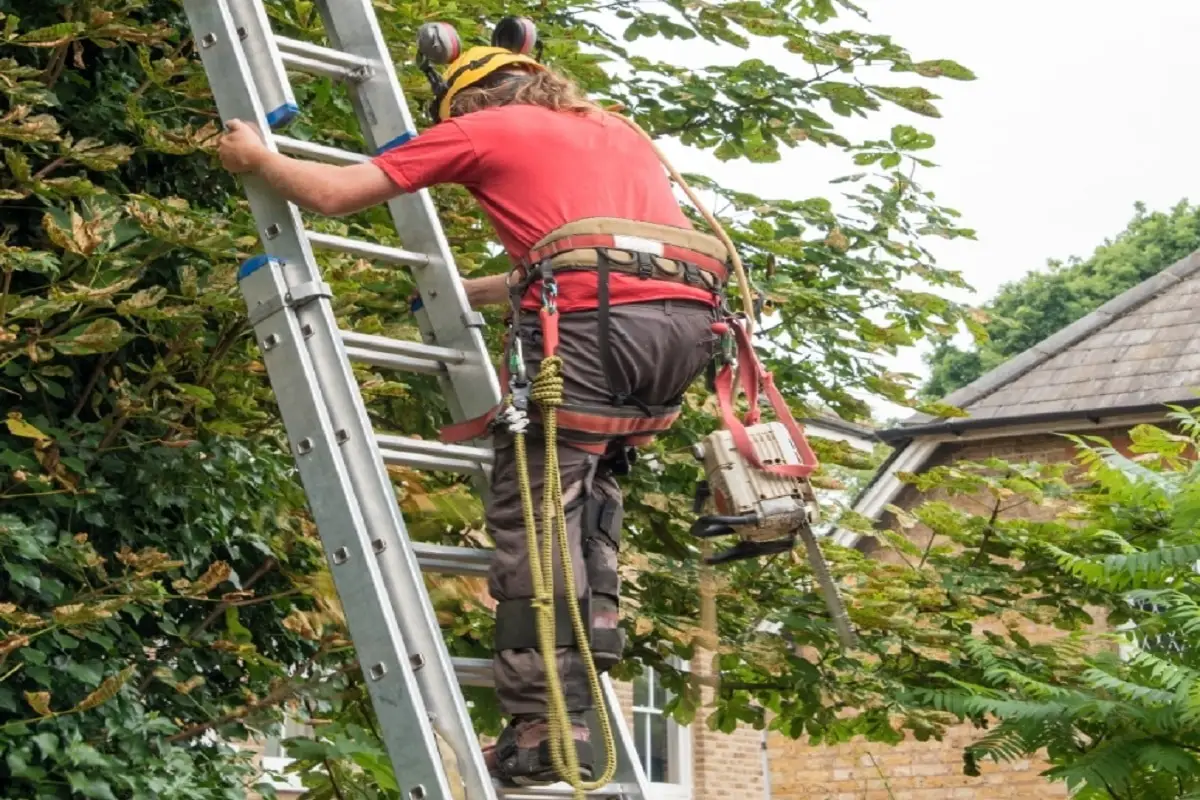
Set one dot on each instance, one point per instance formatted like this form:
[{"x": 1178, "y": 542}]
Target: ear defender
[
  {"x": 516, "y": 34},
  {"x": 437, "y": 43},
  {"x": 513, "y": 39}
]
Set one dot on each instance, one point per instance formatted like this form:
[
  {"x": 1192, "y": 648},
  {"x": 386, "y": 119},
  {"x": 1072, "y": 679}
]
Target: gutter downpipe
[{"x": 766, "y": 768}]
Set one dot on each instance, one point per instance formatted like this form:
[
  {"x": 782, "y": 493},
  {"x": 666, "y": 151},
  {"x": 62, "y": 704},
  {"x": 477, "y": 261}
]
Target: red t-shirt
[{"x": 534, "y": 170}]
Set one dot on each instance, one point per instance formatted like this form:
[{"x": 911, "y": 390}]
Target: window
[
  {"x": 663, "y": 746},
  {"x": 275, "y": 758}
]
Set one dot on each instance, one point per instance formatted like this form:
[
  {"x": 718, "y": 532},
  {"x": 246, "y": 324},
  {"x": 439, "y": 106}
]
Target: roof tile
[{"x": 1140, "y": 348}]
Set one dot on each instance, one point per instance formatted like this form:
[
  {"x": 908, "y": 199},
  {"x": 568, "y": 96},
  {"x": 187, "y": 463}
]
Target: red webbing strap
[
  {"x": 549, "y": 331},
  {"x": 753, "y": 375},
  {"x": 478, "y": 427}
]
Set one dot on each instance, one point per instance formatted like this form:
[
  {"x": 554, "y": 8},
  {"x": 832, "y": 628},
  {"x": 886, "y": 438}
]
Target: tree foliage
[
  {"x": 1115, "y": 708},
  {"x": 162, "y": 592},
  {"x": 1042, "y": 303}
]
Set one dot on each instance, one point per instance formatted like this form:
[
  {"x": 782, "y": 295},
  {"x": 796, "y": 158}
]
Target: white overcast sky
[{"x": 1081, "y": 108}]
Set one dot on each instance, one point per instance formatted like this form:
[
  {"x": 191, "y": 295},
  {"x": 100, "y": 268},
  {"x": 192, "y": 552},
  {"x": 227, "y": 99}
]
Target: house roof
[
  {"x": 1136, "y": 351},
  {"x": 833, "y": 422}
]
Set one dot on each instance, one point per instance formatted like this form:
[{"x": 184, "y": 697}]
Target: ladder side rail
[
  {"x": 385, "y": 119},
  {"x": 272, "y": 86},
  {"x": 351, "y": 27},
  {"x": 316, "y": 431},
  {"x": 629, "y": 778},
  {"x": 471, "y": 388}
]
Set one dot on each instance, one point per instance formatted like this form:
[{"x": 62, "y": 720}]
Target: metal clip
[
  {"x": 550, "y": 295},
  {"x": 514, "y": 416},
  {"x": 516, "y": 362},
  {"x": 549, "y": 286}
]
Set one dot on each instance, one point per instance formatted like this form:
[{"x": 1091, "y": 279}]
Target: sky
[{"x": 1080, "y": 109}]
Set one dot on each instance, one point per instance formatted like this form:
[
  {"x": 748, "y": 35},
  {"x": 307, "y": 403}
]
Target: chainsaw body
[{"x": 766, "y": 511}]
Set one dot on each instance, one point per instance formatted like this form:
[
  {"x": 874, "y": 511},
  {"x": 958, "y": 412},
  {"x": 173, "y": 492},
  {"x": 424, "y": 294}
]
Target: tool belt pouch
[
  {"x": 516, "y": 624},
  {"x": 602, "y": 519}
]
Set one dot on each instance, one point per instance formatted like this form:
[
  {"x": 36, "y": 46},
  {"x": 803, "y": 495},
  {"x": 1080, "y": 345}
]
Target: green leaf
[
  {"x": 906, "y": 137},
  {"x": 89, "y": 674},
  {"x": 204, "y": 397},
  {"x": 915, "y": 99},
  {"x": 944, "y": 68},
  {"x": 47, "y": 743},
  {"x": 88, "y": 786},
  {"x": 24, "y": 575},
  {"x": 99, "y": 336},
  {"x": 52, "y": 35}
]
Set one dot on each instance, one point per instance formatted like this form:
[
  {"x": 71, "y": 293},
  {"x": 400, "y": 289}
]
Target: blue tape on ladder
[
  {"x": 283, "y": 115},
  {"x": 399, "y": 140},
  {"x": 252, "y": 265}
]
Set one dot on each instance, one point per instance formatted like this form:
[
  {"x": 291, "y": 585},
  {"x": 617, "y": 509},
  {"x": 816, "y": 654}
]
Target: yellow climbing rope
[{"x": 547, "y": 392}]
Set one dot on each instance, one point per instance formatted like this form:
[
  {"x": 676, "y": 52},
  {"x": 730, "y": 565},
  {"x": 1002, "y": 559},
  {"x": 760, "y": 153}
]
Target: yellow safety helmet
[{"x": 438, "y": 43}]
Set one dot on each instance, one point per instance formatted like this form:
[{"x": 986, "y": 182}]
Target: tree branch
[
  {"x": 273, "y": 698},
  {"x": 46, "y": 170},
  {"x": 216, "y": 613},
  {"x": 91, "y": 384},
  {"x": 988, "y": 530}
]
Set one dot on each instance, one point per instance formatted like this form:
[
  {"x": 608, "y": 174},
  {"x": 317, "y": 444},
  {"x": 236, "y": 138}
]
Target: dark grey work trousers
[{"x": 659, "y": 349}]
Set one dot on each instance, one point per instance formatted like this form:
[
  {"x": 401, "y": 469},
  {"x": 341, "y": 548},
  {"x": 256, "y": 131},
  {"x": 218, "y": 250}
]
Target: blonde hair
[{"x": 520, "y": 86}]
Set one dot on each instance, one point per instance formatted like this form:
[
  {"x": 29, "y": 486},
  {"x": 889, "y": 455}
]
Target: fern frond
[
  {"x": 1109, "y": 765},
  {"x": 1034, "y": 688},
  {"x": 1114, "y": 539},
  {"x": 1011, "y": 740},
  {"x": 1165, "y": 674},
  {"x": 1136, "y": 692},
  {"x": 1123, "y": 571},
  {"x": 971, "y": 688},
  {"x": 1136, "y": 473}
]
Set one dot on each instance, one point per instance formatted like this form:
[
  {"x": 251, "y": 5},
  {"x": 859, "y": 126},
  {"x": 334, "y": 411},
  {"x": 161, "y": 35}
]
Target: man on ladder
[{"x": 612, "y": 290}]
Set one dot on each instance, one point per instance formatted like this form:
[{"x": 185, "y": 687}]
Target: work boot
[{"x": 521, "y": 755}]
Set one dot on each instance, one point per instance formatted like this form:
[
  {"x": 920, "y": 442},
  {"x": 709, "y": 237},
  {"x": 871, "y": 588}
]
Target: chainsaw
[{"x": 767, "y": 511}]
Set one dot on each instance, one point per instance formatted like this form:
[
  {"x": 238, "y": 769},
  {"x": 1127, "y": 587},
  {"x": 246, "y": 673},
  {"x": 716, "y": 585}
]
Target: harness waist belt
[{"x": 651, "y": 259}]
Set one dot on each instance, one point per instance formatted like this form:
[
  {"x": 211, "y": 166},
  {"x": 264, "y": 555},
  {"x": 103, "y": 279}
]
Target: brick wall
[
  {"x": 724, "y": 765},
  {"x": 927, "y": 770}
]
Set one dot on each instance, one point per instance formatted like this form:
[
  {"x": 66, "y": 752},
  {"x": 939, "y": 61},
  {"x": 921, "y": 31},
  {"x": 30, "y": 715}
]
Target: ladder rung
[
  {"x": 313, "y": 66},
  {"x": 318, "y": 60},
  {"x": 473, "y": 671},
  {"x": 404, "y": 458},
  {"x": 445, "y": 559},
  {"x": 377, "y": 252},
  {"x": 434, "y": 448},
  {"x": 396, "y": 354},
  {"x": 391, "y": 361},
  {"x": 318, "y": 152},
  {"x": 613, "y": 790},
  {"x": 400, "y": 347}
]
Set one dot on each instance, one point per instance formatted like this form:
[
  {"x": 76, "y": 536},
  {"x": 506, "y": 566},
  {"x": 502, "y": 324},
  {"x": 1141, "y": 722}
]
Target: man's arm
[
  {"x": 489, "y": 291},
  {"x": 324, "y": 188}
]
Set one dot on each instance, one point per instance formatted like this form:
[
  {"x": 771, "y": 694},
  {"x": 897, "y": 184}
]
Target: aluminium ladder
[{"x": 413, "y": 683}]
